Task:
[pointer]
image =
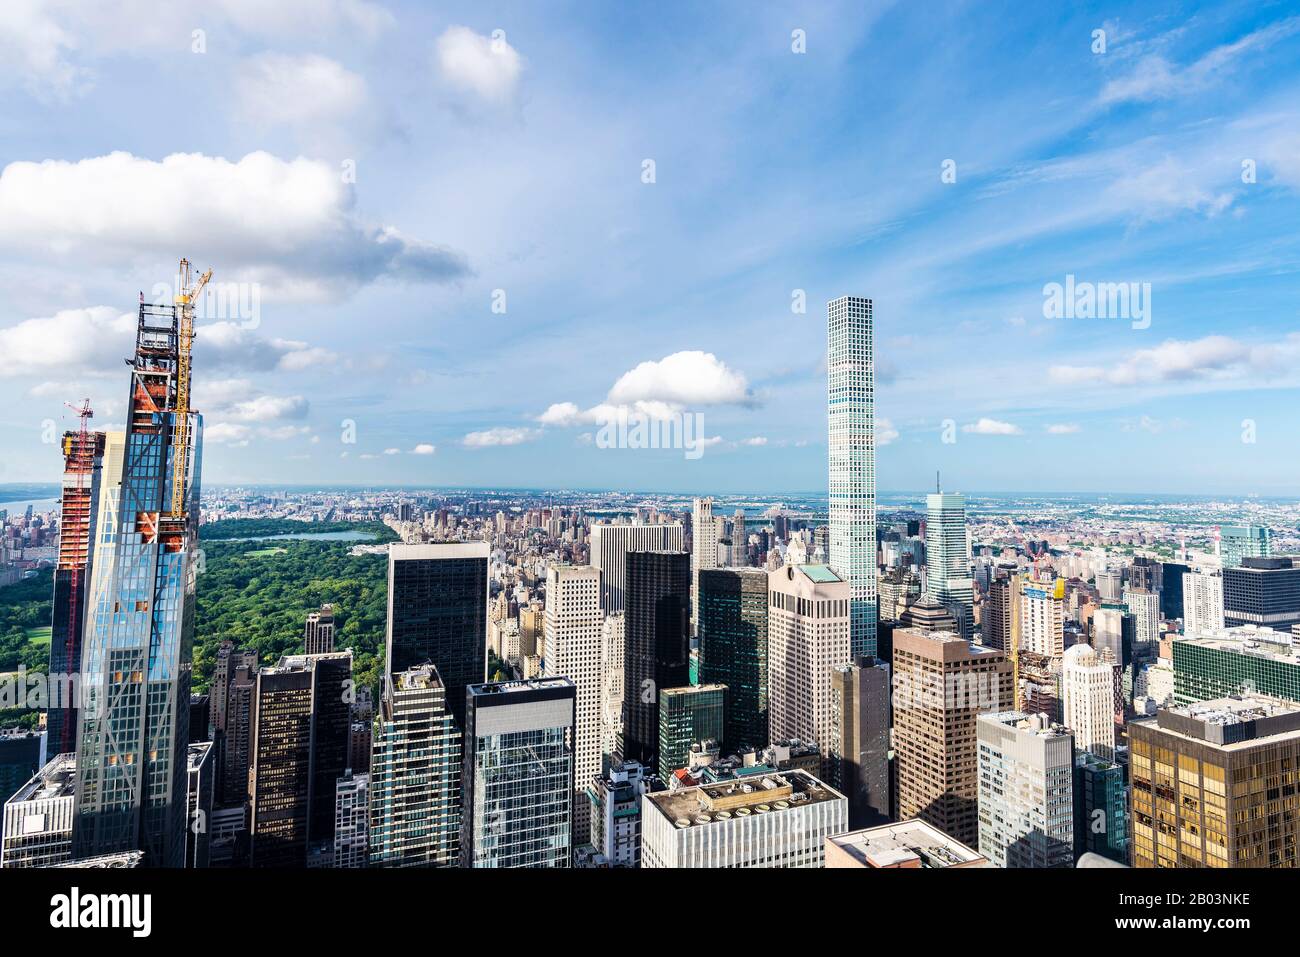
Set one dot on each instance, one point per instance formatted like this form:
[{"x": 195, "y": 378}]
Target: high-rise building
[
  {"x": 613, "y": 652},
  {"x": 1042, "y": 618},
  {"x": 1088, "y": 700},
  {"x": 437, "y": 613},
  {"x": 1110, "y": 585},
  {"x": 1262, "y": 591},
  {"x": 351, "y": 821},
  {"x": 1101, "y": 814},
  {"x": 36, "y": 829},
  {"x": 1113, "y": 630},
  {"x": 136, "y": 649},
  {"x": 808, "y": 635},
  {"x": 1207, "y": 789},
  {"x": 763, "y": 820},
  {"x": 318, "y": 635},
  {"x": 236, "y": 739},
  {"x": 1144, "y": 606},
  {"x": 201, "y": 794},
  {"x": 733, "y": 650},
  {"x": 1247, "y": 659},
  {"x": 704, "y": 550},
  {"x": 851, "y": 403},
  {"x": 860, "y": 747},
  {"x": 572, "y": 649},
  {"x": 301, "y": 721},
  {"x": 518, "y": 773},
  {"x": 1000, "y": 626},
  {"x": 83, "y": 459},
  {"x": 610, "y": 545},
  {"x": 947, "y": 557},
  {"x": 415, "y": 768},
  {"x": 657, "y": 645},
  {"x": 1202, "y": 602},
  {"x": 1171, "y": 593},
  {"x": 616, "y": 813},
  {"x": 1026, "y": 791},
  {"x": 941, "y": 684},
  {"x": 740, "y": 540},
  {"x": 688, "y": 716},
  {"x": 22, "y": 754},
  {"x": 1243, "y": 541},
  {"x": 903, "y": 845}
]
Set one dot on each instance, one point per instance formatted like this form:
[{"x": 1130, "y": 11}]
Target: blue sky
[{"x": 382, "y": 173}]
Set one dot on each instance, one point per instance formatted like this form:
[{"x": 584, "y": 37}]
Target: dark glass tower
[
  {"x": 657, "y": 645},
  {"x": 437, "y": 613},
  {"x": 733, "y": 650}
]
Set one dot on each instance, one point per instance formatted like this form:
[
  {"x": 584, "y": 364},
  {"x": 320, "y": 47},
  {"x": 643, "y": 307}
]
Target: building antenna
[{"x": 937, "y": 487}]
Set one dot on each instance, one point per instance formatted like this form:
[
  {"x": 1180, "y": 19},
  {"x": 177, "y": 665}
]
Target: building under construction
[
  {"x": 138, "y": 640},
  {"x": 83, "y": 456}
]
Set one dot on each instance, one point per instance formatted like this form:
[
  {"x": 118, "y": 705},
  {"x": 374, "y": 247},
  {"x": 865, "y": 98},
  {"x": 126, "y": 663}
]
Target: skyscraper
[
  {"x": 572, "y": 649},
  {"x": 688, "y": 716},
  {"x": 1026, "y": 791},
  {"x": 1042, "y": 618},
  {"x": 860, "y": 748},
  {"x": 947, "y": 557},
  {"x": 36, "y": 827},
  {"x": 83, "y": 456},
  {"x": 1000, "y": 626},
  {"x": 704, "y": 551},
  {"x": 415, "y": 768},
  {"x": 616, "y": 813},
  {"x": 351, "y": 821},
  {"x": 1262, "y": 591},
  {"x": 656, "y": 645},
  {"x": 1243, "y": 541},
  {"x": 733, "y": 650},
  {"x": 318, "y": 635},
  {"x": 1088, "y": 697},
  {"x": 941, "y": 684},
  {"x": 851, "y": 402},
  {"x": 301, "y": 720},
  {"x": 808, "y": 636},
  {"x": 437, "y": 613},
  {"x": 518, "y": 774},
  {"x": 136, "y": 649},
  {"x": 1202, "y": 602},
  {"x": 610, "y": 545},
  {"x": 1144, "y": 606}
]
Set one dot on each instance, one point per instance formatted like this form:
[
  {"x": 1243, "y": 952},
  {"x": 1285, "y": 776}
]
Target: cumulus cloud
[
  {"x": 885, "y": 431},
  {"x": 424, "y": 448},
  {"x": 561, "y": 414},
  {"x": 288, "y": 225},
  {"x": 683, "y": 378},
  {"x": 499, "y": 436},
  {"x": 94, "y": 339},
  {"x": 392, "y": 451},
  {"x": 991, "y": 427},
  {"x": 265, "y": 408},
  {"x": 227, "y": 433},
  {"x": 278, "y": 89},
  {"x": 1213, "y": 358},
  {"x": 487, "y": 67}
]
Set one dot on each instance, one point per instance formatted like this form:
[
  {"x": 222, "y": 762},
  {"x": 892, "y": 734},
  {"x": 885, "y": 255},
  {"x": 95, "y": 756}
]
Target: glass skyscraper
[
  {"x": 851, "y": 402},
  {"x": 134, "y": 730},
  {"x": 688, "y": 716},
  {"x": 733, "y": 650},
  {"x": 657, "y": 646},
  {"x": 947, "y": 557}
]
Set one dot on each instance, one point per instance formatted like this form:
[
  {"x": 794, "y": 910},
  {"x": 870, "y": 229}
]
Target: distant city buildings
[{"x": 318, "y": 636}]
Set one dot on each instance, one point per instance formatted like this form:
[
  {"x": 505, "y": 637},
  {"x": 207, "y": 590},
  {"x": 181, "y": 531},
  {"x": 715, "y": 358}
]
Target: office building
[
  {"x": 898, "y": 588},
  {"x": 941, "y": 684},
  {"x": 1243, "y": 541},
  {"x": 610, "y": 545},
  {"x": 1171, "y": 592},
  {"x": 656, "y": 645},
  {"x": 1210, "y": 785},
  {"x": 37, "y": 821},
  {"x": 852, "y": 440},
  {"x": 688, "y": 716},
  {"x": 859, "y": 755},
  {"x": 201, "y": 794},
  {"x": 704, "y": 550},
  {"x": 1144, "y": 606},
  {"x": 1110, "y": 585},
  {"x": 437, "y": 613},
  {"x": 235, "y": 740},
  {"x": 1026, "y": 791},
  {"x": 301, "y": 721},
  {"x": 1262, "y": 591},
  {"x": 1114, "y": 631},
  {"x": 613, "y": 651},
  {"x": 22, "y": 754},
  {"x": 134, "y": 728},
  {"x": 616, "y": 813},
  {"x": 905, "y": 845},
  {"x": 1088, "y": 700},
  {"x": 518, "y": 772},
  {"x": 733, "y": 650},
  {"x": 318, "y": 635},
  {"x": 808, "y": 636},
  {"x": 1202, "y": 602},
  {"x": 1042, "y": 618},
  {"x": 778, "y": 819},
  {"x": 1248, "y": 659},
  {"x": 572, "y": 649},
  {"x": 1000, "y": 625},
  {"x": 1101, "y": 814},
  {"x": 947, "y": 558},
  {"x": 351, "y": 821}
]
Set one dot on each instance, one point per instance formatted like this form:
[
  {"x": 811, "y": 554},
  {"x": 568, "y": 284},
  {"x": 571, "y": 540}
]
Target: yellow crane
[{"x": 185, "y": 299}]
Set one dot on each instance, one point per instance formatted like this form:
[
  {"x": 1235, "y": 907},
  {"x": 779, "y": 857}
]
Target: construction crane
[{"x": 185, "y": 298}]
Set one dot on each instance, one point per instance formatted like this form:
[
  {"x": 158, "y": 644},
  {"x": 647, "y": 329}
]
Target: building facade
[
  {"x": 733, "y": 650},
  {"x": 610, "y": 545},
  {"x": 657, "y": 645}
]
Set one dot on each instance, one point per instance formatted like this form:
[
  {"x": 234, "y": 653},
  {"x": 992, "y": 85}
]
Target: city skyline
[{"x": 365, "y": 307}]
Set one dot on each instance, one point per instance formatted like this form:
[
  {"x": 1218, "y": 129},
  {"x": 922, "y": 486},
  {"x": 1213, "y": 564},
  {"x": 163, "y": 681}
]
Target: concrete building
[
  {"x": 1262, "y": 591},
  {"x": 318, "y": 635},
  {"x": 773, "y": 820},
  {"x": 202, "y": 768},
  {"x": 1042, "y": 618},
  {"x": 610, "y": 545},
  {"x": 860, "y": 695},
  {"x": 903, "y": 845},
  {"x": 941, "y": 684},
  {"x": 704, "y": 551},
  {"x": 1088, "y": 700},
  {"x": 37, "y": 822},
  {"x": 808, "y": 636},
  {"x": 1144, "y": 606},
  {"x": 616, "y": 813},
  {"x": 613, "y": 650},
  {"x": 1026, "y": 791},
  {"x": 1202, "y": 602},
  {"x": 351, "y": 821}
]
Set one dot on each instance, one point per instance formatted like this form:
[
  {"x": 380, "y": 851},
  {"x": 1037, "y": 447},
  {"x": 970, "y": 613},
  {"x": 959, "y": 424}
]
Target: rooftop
[
  {"x": 1245, "y": 640},
  {"x": 821, "y": 574},
  {"x": 771, "y": 793},
  {"x": 905, "y": 844},
  {"x": 57, "y": 779},
  {"x": 509, "y": 687}
]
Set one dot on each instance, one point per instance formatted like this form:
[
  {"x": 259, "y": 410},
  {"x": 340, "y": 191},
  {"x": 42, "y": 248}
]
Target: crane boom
[{"x": 185, "y": 298}]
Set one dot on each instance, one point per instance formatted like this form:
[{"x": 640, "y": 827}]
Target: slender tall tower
[
  {"x": 947, "y": 557},
  {"x": 704, "y": 551},
  {"x": 132, "y": 764},
  {"x": 851, "y": 401},
  {"x": 656, "y": 646}
]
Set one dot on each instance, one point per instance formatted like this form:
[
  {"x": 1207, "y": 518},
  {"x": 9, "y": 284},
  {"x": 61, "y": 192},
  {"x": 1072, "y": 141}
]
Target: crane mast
[{"x": 185, "y": 298}]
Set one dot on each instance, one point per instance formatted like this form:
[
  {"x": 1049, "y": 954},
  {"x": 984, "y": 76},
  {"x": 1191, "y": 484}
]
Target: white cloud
[
  {"x": 757, "y": 441},
  {"x": 488, "y": 67},
  {"x": 685, "y": 379},
  {"x": 267, "y": 408},
  {"x": 499, "y": 436},
  {"x": 94, "y": 339},
  {"x": 885, "y": 431},
  {"x": 278, "y": 89},
  {"x": 288, "y": 225},
  {"x": 991, "y": 427},
  {"x": 1062, "y": 428},
  {"x": 424, "y": 448},
  {"x": 392, "y": 451},
  {"x": 561, "y": 414},
  {"x": 227, "y": 433},
  {"x": 1209, "y": 358}
]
